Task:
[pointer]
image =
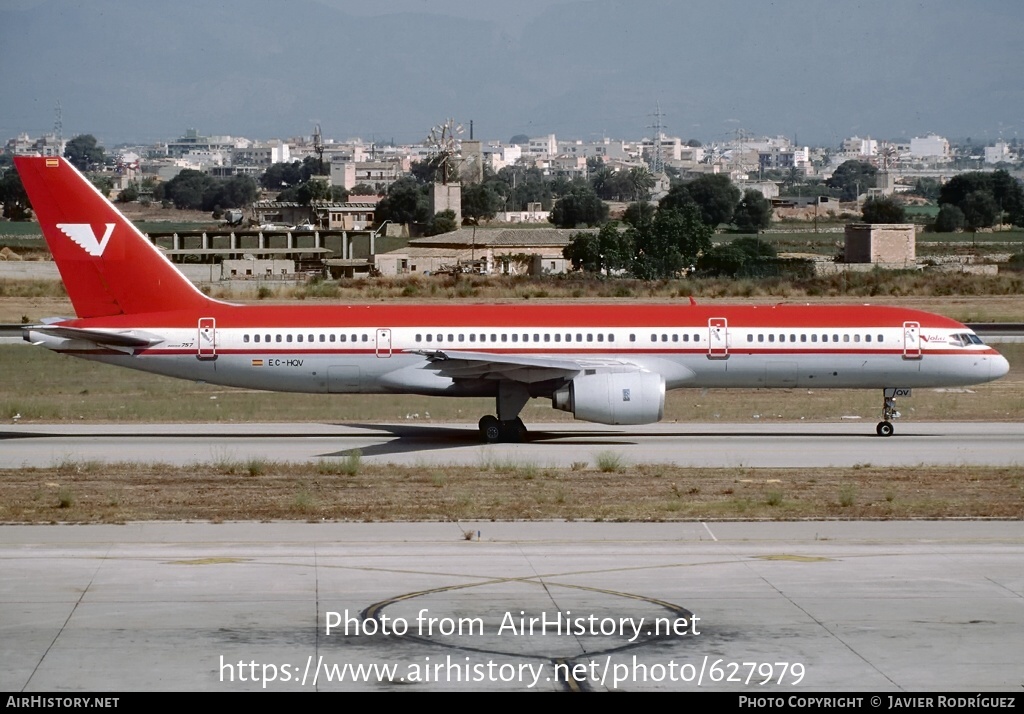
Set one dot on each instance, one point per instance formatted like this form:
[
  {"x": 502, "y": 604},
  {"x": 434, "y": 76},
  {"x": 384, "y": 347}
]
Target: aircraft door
[
  {"x": 718, "y": 338},
  {"x": 206, "y": 342},
  {"x": 911, "y": 340},
  {"x": 383, "y": 342}
]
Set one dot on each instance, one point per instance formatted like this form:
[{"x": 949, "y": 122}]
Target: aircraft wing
[
  {"x": 517, "y": 368},
  {"x": 105, "y": 338}
]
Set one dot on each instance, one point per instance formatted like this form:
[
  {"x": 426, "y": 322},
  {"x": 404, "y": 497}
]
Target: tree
[
  {"x": 883, "y": 210},
  {"x": 852, "y": 178},
  {"x": 608, "y": 250},
  {"x": 638, "y": 213},
  {"x": 13, "y": 196},
  {"x": 363, "y": 189},
  {"x": 584, "y": 253},
  {"x": 84, "y": 152},
  {"x": 949, "y": 220},
  {"x": 745, "y": 256},
  {"x": 442, "y": 222},
  {"x": 753, "y": 213},
  {"x": 405, "y": 203},
  {"x": 640, "y": 182},
  {"x": 714, "y": 194},
  {"x": 980, "y": 210},
  {"x": 480, "y": 201},
  {"x": 128, "y": 194},
  {"x": 196, "y": 190},
  {"x": 926, "y": 188},
  {"x": 985, "y": 198},
  {"x": 307, "y": 192},
  {"x": 237, "y": 191},
  {"x": 579, "y": 207},
  {"x": 520, "y": 139},
  {"x": 281, "y": 175},
  {"x": 670, "y": 244}
]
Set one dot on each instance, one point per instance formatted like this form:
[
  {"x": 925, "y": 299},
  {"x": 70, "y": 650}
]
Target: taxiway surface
[{"x": 803, "y": 607}]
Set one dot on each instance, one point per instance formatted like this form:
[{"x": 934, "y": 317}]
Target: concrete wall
[{"x": 891, "y": 243}]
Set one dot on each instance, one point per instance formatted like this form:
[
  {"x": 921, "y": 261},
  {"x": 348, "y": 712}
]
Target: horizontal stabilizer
[{"x": 126, "y": 338}]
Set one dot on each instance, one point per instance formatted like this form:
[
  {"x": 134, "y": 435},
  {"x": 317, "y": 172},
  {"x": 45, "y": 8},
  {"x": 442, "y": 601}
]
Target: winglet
[{"x": 108, "y": 266}]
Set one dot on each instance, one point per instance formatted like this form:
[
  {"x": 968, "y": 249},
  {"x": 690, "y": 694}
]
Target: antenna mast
[{"x": 657, "y": 161}]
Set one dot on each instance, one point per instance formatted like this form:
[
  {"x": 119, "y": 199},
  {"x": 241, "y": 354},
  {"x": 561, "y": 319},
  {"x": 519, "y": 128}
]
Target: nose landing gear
[{"x": 885, "y": 427}]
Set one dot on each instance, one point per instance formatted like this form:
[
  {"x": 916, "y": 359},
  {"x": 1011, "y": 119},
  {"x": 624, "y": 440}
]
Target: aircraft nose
[{"x": 999, "y": 367}]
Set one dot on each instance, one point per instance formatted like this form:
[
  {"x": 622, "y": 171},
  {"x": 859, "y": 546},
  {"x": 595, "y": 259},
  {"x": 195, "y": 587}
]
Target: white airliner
[{"x": 609, "y": 364}]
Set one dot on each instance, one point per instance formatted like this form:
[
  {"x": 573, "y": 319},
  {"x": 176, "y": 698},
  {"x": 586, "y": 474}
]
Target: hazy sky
[{"x": 814, "y": 70}]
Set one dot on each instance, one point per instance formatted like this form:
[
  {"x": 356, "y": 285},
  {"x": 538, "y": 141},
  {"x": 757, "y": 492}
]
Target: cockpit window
[{"x": 964, "y": 339}]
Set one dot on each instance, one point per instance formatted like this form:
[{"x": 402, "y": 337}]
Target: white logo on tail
[{"x": 83, "y": 234}]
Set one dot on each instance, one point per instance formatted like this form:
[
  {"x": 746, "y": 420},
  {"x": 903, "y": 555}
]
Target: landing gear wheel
[
  {"x": 490, "y": 429},
  {"x": 884, "y": 428}
]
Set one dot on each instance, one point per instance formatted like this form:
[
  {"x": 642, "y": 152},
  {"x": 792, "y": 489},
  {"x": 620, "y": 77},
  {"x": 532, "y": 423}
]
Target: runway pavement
[
  {"x": 810, "y": 607},
  {"x": 688, "y": 444}
]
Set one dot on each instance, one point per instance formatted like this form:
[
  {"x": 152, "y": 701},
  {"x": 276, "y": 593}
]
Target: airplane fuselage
[{"x": 380, "y": 349}]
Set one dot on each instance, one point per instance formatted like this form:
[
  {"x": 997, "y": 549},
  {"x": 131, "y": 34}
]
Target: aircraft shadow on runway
[
  {"x": 412, "y": 438},
  {"x": 409, "y": 438}
]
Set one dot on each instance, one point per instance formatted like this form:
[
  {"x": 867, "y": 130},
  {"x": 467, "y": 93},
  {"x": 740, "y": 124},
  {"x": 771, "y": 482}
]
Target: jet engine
[{"x": 613, "y": 397}]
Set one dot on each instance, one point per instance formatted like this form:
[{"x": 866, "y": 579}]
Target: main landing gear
[
  {"x": 493, "y": 430},
  {"x": 885, "y": 427},
  {"x": 507, "y": 426}
]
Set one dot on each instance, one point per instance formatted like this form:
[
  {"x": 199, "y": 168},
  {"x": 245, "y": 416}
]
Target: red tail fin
[{"x": 108, "y": 266}]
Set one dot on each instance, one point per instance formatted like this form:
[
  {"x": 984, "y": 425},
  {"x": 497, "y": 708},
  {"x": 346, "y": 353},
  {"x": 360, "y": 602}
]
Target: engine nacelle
[{"x": 614, "y": 397}]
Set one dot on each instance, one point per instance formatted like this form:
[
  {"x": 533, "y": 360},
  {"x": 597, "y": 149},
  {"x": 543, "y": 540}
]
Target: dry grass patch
[{"x": 112, "y": 493}]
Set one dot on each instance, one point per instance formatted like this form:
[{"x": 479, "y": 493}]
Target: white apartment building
[
  {"x": 542, "y": 146},
  {"x": 856, "y": 146},
  {"x": 997, "y": 153},
  {"x": 262, "y": 154},
  {"x": 929, "y": 147}
]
